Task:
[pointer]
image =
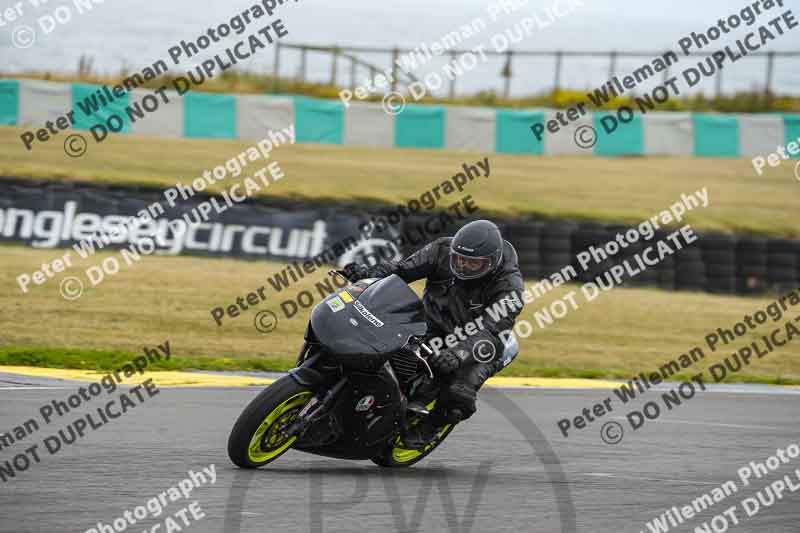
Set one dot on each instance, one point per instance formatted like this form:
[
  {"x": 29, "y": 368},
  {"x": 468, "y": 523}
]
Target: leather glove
[
  {"x": 354, "y": 271},
  {"x": 448, "y": 361}
]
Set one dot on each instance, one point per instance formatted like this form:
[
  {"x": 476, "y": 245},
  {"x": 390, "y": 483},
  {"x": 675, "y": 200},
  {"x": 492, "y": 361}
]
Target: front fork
[
  {"x": 301, "y": 356},
  {"x": 314, "y": 410}
]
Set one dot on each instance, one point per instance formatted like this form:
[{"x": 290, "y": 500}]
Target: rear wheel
[
  {"x": 257, "y": 437},
  {"x": 396, "y": 456}
]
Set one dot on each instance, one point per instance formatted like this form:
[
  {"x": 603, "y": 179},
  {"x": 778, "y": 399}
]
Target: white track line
[
  {"x": 710, "y": 388},
  {"x": 690, "y": 481},
  {"x": 36, "y": 388},
  {"x": 693, "y": 423}
]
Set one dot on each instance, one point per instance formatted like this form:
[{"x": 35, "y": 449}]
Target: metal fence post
[
  {"x": 395, "y": 57},
  {"x": 612, "y": 67},
  {"x": 303, "y": 53},
  {"x": 453, "y": 79},
  {"x": 276, "y": 68},
  {"x": 507, "y": 73},
  {"x": 770, "y": 68},
  {"x": 559, "y": 59},
  {"x": 353, "y": 66},
  {"x": 334, "y": 64}
]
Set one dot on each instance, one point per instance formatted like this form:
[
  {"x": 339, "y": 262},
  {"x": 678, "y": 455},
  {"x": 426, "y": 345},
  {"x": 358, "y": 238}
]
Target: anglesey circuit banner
[{"x": 91, "y": 218}]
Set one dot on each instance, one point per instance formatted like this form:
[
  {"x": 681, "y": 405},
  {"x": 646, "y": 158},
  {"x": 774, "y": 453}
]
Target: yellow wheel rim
[
  {"x": 404, "y": 455},
  {"x": 268, "y": 434}
]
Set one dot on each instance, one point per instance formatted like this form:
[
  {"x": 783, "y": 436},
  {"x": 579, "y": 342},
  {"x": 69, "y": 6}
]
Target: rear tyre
[
  {"x": 395, "y": 456},
  {"x": 256, "y": 439}
]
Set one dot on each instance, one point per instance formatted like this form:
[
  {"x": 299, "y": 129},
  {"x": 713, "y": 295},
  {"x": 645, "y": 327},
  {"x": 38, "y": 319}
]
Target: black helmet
[{"x": 476, "y": 250}]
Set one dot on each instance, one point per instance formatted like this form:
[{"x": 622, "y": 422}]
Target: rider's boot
[{"x": 420, "y": 435}]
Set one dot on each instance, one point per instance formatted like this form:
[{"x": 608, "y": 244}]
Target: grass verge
[
  {"x": 591, "y": 188},
  {"x": 109, "y": 360},
  {"x": 621, "y": 333}
]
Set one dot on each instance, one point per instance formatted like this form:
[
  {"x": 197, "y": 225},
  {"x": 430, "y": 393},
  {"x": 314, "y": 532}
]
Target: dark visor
[{"x": 468, "y": 267}]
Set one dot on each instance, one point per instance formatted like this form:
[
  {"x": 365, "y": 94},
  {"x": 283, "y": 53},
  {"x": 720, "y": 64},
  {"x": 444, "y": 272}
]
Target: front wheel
[{"x": 257, "y": 437}]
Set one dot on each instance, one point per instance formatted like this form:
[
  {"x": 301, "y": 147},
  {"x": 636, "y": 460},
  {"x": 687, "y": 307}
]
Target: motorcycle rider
[{"x": 465, "y": 275}]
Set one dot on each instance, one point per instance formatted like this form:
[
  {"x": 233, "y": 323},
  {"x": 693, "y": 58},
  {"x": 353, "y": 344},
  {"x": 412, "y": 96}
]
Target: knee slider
[
  {"x": 454, "y": 416},
  {"x": 462, "y": 398}
]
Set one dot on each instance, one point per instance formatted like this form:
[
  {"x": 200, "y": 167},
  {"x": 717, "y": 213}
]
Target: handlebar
[{"x": 339, "y": 273}]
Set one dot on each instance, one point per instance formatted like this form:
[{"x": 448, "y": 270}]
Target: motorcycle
[{"x": 363, "y": 356}]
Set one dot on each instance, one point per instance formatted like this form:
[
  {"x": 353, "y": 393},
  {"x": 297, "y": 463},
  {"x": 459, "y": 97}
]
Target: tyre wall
[
  {"x": 716, "y": 262},
  {"x": 46, "y": 214}
]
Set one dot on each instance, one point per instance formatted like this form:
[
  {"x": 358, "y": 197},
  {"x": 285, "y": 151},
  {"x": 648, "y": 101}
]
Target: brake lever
[{"x": 424, "y": 361}]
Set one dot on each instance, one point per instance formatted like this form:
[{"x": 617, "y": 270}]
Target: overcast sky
[{"x": 120, "y": 33}]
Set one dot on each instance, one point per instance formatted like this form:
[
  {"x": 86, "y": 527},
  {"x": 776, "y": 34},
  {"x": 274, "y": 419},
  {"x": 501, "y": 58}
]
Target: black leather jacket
[{"x": 451, "y": 302}]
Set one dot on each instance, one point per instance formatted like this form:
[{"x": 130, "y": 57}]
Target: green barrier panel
[
  {"x": 9, "y": 102},
  {"x": 420, "y": 126},
  {"x": 791, "y": 131},
  {"x": 209, "y": 116},
  {"x": 513, "y": 133},
  {"x": 716, "y": 135},
  {"x": 318, "y": 121},
  {"x": 95, "y": 105},
  {"x": 616, "y": 137}
]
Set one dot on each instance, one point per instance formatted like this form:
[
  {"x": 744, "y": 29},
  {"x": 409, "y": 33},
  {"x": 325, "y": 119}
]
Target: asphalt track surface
[{"x": 498, "y": 472}]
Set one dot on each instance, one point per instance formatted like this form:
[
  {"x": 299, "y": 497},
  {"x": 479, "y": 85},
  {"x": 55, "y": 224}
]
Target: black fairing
[
  {"x": 359, "y": 333},
  {"x": 379, "y": 321},
  {"x": 363, "y": 431}
]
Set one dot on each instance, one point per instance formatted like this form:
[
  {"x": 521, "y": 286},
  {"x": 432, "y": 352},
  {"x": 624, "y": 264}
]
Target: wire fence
[{"x": 352, "y": 57}]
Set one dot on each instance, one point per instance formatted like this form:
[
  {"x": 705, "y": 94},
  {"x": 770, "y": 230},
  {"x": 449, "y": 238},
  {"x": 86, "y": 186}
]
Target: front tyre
[{"x": 257, "y": 439}]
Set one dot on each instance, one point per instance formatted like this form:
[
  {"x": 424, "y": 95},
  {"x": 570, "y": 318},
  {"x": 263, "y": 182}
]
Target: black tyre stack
[
  {"x": 646, "y": 277},
  {"x": 783, "y": 263},
  {"x": 751, "y": 265},
  {"x": 716, "y": 262},
  {"x": 690, "y": 271},
  {"x": 556, "y": 246},
  {"x": 527, "y": 241},
  {"x": 586, "y": 235},
  {"x": 420, "y": 229},
  {"x": 719, "y": 257},
  {"x": 666, "y": 275}
]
